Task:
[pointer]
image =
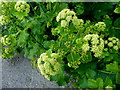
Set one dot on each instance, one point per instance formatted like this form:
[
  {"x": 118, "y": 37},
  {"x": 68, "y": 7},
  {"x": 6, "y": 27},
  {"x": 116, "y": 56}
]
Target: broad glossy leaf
[
  {"x": 20, "y": 15},
  {"x": 92, "y": 83},
  {"x": 90, "y": 73},
  {"x": 46, "y": 44},
  {"x": 113, "y": 67},
  {"x": 22, "y": 39},
  {"x": 73, "y": 57},
  {"x": 49, "y": 52},
  {"x": 100, "y": 82},
  {"x": 108, "y": 82},
  {"x": 83, "y": 83},
  {"x": 117, "y": 10}
]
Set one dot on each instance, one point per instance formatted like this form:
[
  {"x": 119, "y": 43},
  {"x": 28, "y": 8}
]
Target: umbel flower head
[
  {"x": 22, "y": 6},
  {"x": 49, "y": 65},
  {"x": 65, "y": 13},
  {"x": 7, "y": 7},
  {"x": 66, "y": 16},
  {"x": 4, "y": 19},
  {"x": 100, "y": 26},
  {"x": 93, "y": 43}
]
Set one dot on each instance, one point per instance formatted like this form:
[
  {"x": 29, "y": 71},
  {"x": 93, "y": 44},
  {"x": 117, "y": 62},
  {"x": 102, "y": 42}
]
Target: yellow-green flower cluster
[
  {"x": 77, "y": 21},
  {"x": 55, "y": 31},
  {"x": 61, "y": 52},
  {"x": 8, "y": 52},
  {"x": 113, "y": 42},
  {"x": 4, "y": 19},
  {"x": 8, "y": 40},
  {"x": 7, "y": 8},
  {"x": 74, "y": 64},
  {"x": 101, "y": 26},
  {"x": 49, "y": 65},
  {"x": 108, "y": 88},
  {"x": 8, "y": 46},
  {"x": 65, "y": 13},
  {"x": 79, "y": 40},
  {"x": 93, "y": 43},
  {"x": 66, "y": 16},
  {"x": 67, "y": 44},
  {"x": 22, "y": 6},
  {"x": 85, "y": 47},
  {"x": 64, "y": 23},
  {"x": 3, "y": 40}
]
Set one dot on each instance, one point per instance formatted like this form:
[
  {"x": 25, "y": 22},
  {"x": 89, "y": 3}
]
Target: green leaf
[
  {"x": 20, "y": 15},
  {"x": 118, "y": 78},
  {"x": 73, "y": 57},
  {"x": 99, "y": 82},
  {"x": 108, "y": 82},
  {"x": 92, "y": 83},
  {"x": 60, "y": 78},
  {"x": 117, "y": 22},
  {"x": 83, "y": 83},
  {"x": 61, "y": 82},
  {"x": 72, "y": 28},
  {"x": 49, "y": 44},
  {"x": 79, "y": 9},
  {"x": 117, "y": 10},
  {"x": 33, "y": 51},
  {"x": 53, "y": 78},
  {"x": 86, "y": 57},
  {"x": 46, "y": 44},
  {"x": 117, "y": 27},
  {"x": 113, "y": 67},
  {"x": 90, "y": 73},
  {"x": 107, "y": 59},
  {"x": 102, "y": 9},
  {"x": 62, "y": 32},
  {"x": 81, "y": 70},
  {"x": 26, "y": 52},
  {"x": 49, "y": 52},
  {"x": 108, "y": 22},
  {"x": 22, "y": 39}
]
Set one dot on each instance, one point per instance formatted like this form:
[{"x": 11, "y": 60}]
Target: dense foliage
[{"x": 70, "y": 42}]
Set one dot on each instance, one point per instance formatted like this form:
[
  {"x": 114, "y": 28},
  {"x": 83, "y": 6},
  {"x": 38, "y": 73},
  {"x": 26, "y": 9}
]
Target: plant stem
[
  {"x": 116, "y": 28},
  {"x": 105, "y": 72}
]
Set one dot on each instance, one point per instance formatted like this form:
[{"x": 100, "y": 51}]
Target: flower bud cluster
[
  {"x": 7, "y": 8},
  {"x": 77, "y": 21},
  {"x": 49, "y": 65},
  {"x": 56, "y": 31},
  {"x": 4, "y": 20},
  {"x": 74, "y": 64},
  {"x": 8, "y": 40},
  {"x": 22, "y": 6},
  {"x": 3, "y": 40},
  {"x": 101, "y": 26},
  {"x": 8, "y": 52},
  {"x": 112, "y": 42},
  {"x": 8, "y": 46}
]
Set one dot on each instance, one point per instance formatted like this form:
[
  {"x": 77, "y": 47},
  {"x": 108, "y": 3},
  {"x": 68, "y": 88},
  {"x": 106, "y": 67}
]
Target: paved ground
[{"x": 19, "y": 73}]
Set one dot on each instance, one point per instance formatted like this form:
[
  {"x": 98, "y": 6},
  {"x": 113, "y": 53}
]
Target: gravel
[{"x": 19, "y": 73}]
